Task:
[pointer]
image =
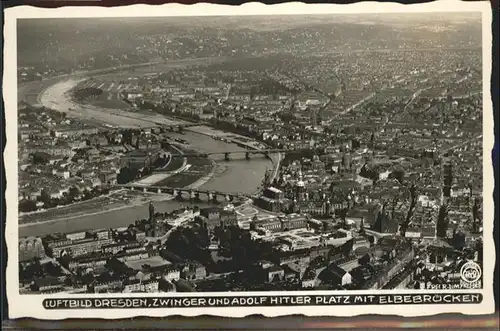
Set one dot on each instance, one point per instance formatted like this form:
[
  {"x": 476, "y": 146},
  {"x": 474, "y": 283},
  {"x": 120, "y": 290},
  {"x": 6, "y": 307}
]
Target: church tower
[
  {"x": 327, "y": 208},
  {"x": 300, "y": 189},
  {"x": 153, "y": 229},
  {"x": 151, "y": 211}
]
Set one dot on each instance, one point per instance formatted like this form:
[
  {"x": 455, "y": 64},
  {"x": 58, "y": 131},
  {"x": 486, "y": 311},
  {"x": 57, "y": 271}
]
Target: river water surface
[{"x": 237, "y": 175}]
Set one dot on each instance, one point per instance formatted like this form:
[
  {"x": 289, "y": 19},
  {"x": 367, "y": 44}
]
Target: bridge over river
[
  {"x": 170, "y": 127},
  {"x": 227, "y": 154},
  {"x": 182, "y": 193}
]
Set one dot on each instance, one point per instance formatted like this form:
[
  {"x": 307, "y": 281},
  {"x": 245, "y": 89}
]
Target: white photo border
[{"x": 26, "y": 305}]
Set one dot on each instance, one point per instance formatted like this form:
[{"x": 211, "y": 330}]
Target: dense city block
[{"x": 179, "y": 155}]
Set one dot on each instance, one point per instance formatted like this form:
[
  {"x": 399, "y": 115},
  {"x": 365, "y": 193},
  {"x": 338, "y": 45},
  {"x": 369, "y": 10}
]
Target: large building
[
  {"x": 300, "y": 190},
  {"x": 279, "y": 224},
  {"x": 346, "y": 161},
  {"x": 364, "y": 215},
  {"x": 194, "y": 271},
  {"x": 293, "y": 221},
  {"x": 77, "y": 247},
  {"x": 272, "y": 224},
  {"x": 75, "y": 130},
  {"x": 273, "y": 193},
  {"x": 447, "y": 178},
  {"x": 88, "y": 261},
  {"x": 335, "y": 276},
  {"x": 273, "y": 199},
  {"x": 154, "y": 228},
  {"x": 315, "y": 207},
  {"x": 212, "y": 217},
  {"x": 384, "y": 223}
]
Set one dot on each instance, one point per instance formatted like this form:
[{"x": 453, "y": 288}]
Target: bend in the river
[{"x": 238, "y": 174}]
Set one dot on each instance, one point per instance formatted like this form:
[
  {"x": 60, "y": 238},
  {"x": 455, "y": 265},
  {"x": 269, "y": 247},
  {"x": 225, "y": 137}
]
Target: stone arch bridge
[
  {"x": 227, "y": 154},
  {"x": 188, "y": 193}
]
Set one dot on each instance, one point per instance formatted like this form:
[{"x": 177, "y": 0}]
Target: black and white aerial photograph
[{"x": 250, "y": 153}]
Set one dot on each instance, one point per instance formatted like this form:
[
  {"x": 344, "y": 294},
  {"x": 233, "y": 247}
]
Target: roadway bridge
[
  {"x": 170, "y": 127},
  {"x": 227, "y": 155},
  {"x": 187, "y": 193}
]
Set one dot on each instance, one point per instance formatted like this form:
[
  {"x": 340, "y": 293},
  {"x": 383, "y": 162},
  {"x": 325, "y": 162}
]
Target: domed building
[{"x": 314, "y": 202}]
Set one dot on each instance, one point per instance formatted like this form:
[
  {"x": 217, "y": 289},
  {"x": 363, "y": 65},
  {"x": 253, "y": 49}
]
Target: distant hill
[{"x": 103, "y": 42}]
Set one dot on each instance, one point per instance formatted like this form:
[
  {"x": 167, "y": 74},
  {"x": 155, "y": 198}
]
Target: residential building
[{"x": 30, "y": 248}]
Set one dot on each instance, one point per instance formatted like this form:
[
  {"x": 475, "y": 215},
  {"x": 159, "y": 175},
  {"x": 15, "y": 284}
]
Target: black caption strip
[{"x": 262, "y": 301}]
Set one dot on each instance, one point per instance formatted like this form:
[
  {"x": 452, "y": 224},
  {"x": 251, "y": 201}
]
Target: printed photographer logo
[{"x": 470, "y": 275}]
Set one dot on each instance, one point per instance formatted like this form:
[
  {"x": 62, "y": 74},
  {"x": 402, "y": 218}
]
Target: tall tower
[
  {"x": 300, "y": 189},
  {"x": 267, "y": 177},
  {"x": 346, "y": 161},
  {"x": 152, "y": 217},
  {"x": 294, "y": 207},
  {"x": 442, "y": 218},
  {"x": 447, "y": 179},
  {"x": 327, "y": 208}
]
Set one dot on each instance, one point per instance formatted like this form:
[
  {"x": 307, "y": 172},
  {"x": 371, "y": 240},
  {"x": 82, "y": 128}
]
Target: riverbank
[
  {"x": 158, "y": 176},
  {"x": 98, "y": 206},
  {"x": 117, "y": 217},
  {"x": 239, "y": 175},
  {"x": 77, "y": 204},
  {"x": 204, "y": 179},
  {"x": 212, "y": 132}
]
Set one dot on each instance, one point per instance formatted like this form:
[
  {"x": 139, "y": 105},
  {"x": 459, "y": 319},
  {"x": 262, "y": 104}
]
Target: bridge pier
[
  {"x": 226, "y": 156},
  {"x": 247, "y": 156},
  {"x": 214, "y": 198},
  {"x": 193, "y": 194}
]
